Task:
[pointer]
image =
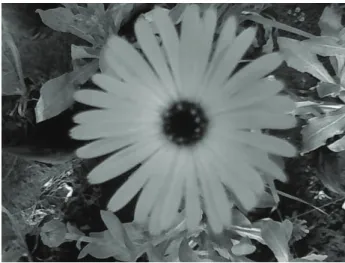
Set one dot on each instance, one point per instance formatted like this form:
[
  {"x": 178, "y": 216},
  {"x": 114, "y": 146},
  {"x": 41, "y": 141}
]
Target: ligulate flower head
[{"x": 193, "y": 124}]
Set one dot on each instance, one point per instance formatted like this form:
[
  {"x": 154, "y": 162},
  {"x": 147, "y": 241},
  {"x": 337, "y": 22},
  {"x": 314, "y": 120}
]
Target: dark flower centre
[{"x": 184, "y": 123}]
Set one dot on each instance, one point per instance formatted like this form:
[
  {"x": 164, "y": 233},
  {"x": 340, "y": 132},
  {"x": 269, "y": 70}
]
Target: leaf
[
  {"x": 338, "y": 145},
  {"x": 300, "y": 58},
  {"x": 319, "y": 129},
  {"x": 239, "y": 219},
  {"x": 53, "y": 233},
  {"x": 304, "y": 108},
  {"x": 58, "y": 19},
  {"x": 277, "y": 236},
  {"x": 186, "y": 254},
  {"x": 105, "y": 246},
  {"x": 325, "y": 46},
  {"x": 114, "y": 225},
  {"x": 269, "y": 22},
  {"x": 176, "y": 12},
  {"x": 314, "y": 257},
  {"x": 79, "y": 52},
  {"x": 73, "y": 230},
  {"x": 325, "y": 89},
  {"x": 57, "y": 94},
  {"x": 12, "y": 72},
  {"x": 243, "y": 247},
  {"x": 330, "y": 21},
  {"x": 63, "y": 20},
  {"x": 253, "y": 232},
  {"x": 266, "y": 201}
]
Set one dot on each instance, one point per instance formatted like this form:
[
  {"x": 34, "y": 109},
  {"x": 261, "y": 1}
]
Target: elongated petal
[
  {"x": 254, "y": 120},
  {"x": 170, "y": 41},
  {"x": 133, "y": 114},
  {"x": 231, "y": 58},
  {"x": 255, "y": 70},
  {"x": 265, "y": 142},
  {"x": 153, "y": 52},
  {"x": 165, "y": 162},
  {"x": 193, "y": 205},
  {"x": 224, "y": 43},
  {"x": 126, "y": 92},
  {"x": 135, "y": 182},
  {"x": 124, "y": 160},
  {"x": 131, "y": 67},
  {"x": 104, "y": 146},
  {"x": 175, "y": 192},
  {"x": 155, "y": 227},
  {"x": 209, "y": 205},
  {"x": 189, "y": 44},
  {"x": 90, "y": 131},
  {"x": 260, "y": 160}
]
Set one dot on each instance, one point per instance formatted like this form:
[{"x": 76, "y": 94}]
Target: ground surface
[{"x": 25, "y": 192}]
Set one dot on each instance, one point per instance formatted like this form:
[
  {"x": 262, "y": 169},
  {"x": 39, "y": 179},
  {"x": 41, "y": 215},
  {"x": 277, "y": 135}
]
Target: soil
[{"x": 26, "y": 195}]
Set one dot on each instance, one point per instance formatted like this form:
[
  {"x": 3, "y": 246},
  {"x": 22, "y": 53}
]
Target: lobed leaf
[
  {"x": 319, "y": 129},
  {"x": 299, "y": 57},
  {"x": 277, "y": 236},
  {"x": 57, "y": 94}
]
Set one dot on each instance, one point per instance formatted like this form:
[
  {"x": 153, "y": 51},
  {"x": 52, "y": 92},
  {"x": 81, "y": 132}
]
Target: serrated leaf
[
  {"x": 277, "y": 236},
  {"x": 243, "y": 247},
  {"x": 53, "y": 233},
  {"x": 300, "y": 58},
  {"x": 80, "y": 52},
  {"x": 330, "y": 21},
  {"x": 325, "y": 89},
  {"x": 325, "y": 46},
  {"x": 319, "y": 129},
  {"x": 338, "y": 145},
  {"x": 57, "y": 94},
  {"x": 63, "y": 20}
]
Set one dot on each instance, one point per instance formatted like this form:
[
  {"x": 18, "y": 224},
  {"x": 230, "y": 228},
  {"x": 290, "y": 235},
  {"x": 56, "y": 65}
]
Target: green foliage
[
  {"x": 57, "y": 94},
  {"x": 325, "y": 119}
]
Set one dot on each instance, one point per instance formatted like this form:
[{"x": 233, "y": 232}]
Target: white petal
[
  {"x": 131, "y": 67},
  {"x": 123, "y": 161},
  {"x": 231, "y": 58},
  {"x": 175, "y": 191},
  {"x": 210, "y": 207},
  {"x": 253, "y": 120},
  {"x": 170, "y": 40},
  {"x": 191, "y": 31},
  {"x": 117, "y": 115},
  {"x": 153, "y": 52},
  {"x": 260, "y": 160},
  {"x": 165, "y": 161},
  {"x": 155, "y": 227},
  {"x": 217, "y": 191},
  {"x": 254, "y": 71},
  {"x": 209, "y": 23},
  {"x": 135, "y": 182},
  {"x": 91, "y": 131},
  {"x": 257, "y": 92},
  {"x": 126, "y": 92},
  {"x": 264, "y": 142},
  {"x": 224, "y": 43},
  {"x": 95, "y": 98},
  {"x": 192, "y": 195},
  {"x": 104, "y": 146}
]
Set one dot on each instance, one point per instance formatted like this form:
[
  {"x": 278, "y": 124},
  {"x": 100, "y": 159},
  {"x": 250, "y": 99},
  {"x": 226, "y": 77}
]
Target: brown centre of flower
[{"x": 184, "y": 123}]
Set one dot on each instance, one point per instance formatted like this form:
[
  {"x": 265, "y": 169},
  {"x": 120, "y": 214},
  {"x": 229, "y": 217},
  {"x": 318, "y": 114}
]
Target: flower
[{"x": 192, "y": 124}]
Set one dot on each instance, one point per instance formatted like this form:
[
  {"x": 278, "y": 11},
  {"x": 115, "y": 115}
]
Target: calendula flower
[{"x": 193, "y": 124}]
